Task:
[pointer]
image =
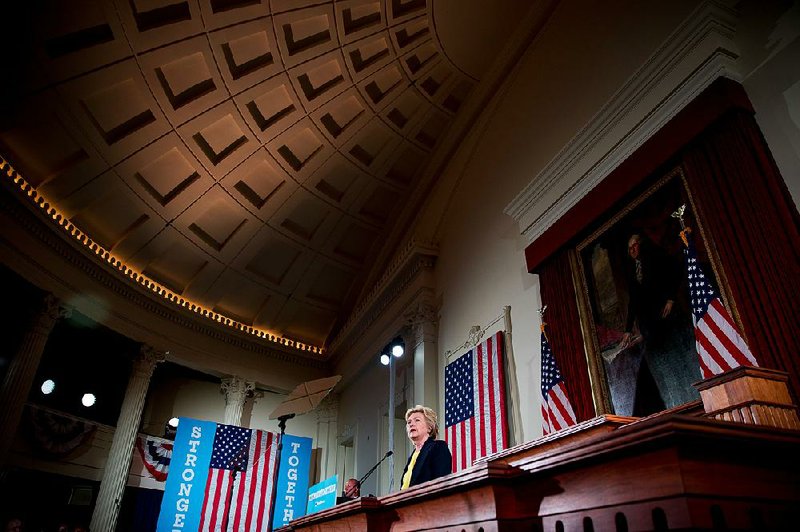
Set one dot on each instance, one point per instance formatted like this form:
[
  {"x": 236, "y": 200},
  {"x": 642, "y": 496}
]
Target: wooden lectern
[{"x": 682, "y": 469}]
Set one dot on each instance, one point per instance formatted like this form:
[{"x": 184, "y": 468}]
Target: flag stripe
[
  {"x": 557, "y": 412},
  {"x": 475, "y": 418},
  {"x": 239, "y": 485},
  {"x": 720, "y": 347}
]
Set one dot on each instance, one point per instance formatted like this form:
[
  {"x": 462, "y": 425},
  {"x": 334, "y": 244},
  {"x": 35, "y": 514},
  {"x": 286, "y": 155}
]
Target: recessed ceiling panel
[
  {"x": 219, "y": 139},
  {"x": 45, "y": 146},
  {"x": 117, "y": 130},
  {"x": 178, "y": 264},
  {"x": 270, "y": 107},
  {"x": 247, "y": 54},
  {"x": 260, "y": 185},
  {"x": 184, "y": 78},
  {"x": 358, "y": 18},
  {"x": 153, "y": 23},
  {"x": 217, "y": 224},
  {"x": 305, "y": 33},
  {"x": 112, "y": 214},
  {"x": 166, "y": 175}
]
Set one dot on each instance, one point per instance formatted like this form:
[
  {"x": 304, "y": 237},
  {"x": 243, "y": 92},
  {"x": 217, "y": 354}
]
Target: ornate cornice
[
  {"x": 703, "y": 46},
  {"x": 414, "y": 259},
  {"x": 28, "y": 216}
]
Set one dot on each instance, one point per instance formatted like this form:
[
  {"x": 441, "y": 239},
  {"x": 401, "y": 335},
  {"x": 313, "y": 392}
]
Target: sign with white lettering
[
  {"x": 186, "y": 482},
  {"x": 290, "y": 500},
  {"x": 322, "y": 495}
]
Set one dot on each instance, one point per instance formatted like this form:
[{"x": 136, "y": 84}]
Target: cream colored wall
[
  {"x": 587, "y": 51},
  {"x": 770, "y": 44}
]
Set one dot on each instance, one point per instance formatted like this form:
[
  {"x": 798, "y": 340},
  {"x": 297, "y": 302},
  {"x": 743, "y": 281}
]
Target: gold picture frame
[{"x": 654, "y": 365}]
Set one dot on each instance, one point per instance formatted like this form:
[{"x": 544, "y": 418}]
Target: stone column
[
  {"x": 423, "y": 336},
  {"x": 327, "y": 429},
  {"x": 236, "y": 391},
  {"x": 115, "y": 474},
  {"x": 22, "y": 371}
]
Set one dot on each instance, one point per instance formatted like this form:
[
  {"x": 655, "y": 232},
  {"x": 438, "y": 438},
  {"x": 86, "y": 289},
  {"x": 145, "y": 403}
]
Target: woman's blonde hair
[{"x": 430, "y": 418}]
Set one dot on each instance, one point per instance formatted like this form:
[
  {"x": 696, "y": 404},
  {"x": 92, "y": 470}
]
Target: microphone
[{"x": 385, "y": 456}]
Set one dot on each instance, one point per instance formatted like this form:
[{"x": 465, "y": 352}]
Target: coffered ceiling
[{"x": 248, "y": 156}]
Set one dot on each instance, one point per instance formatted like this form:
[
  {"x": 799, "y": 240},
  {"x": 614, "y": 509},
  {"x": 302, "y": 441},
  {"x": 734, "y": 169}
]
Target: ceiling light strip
[{"x": 104, "y": 255}]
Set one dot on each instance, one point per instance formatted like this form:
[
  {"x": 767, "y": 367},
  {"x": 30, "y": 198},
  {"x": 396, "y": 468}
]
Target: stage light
[
  {"x": 173, "y": 422},
  {"x": 384, "y": 359},
  {"x": 398, "y": 347},
  {"x": 48, "y": 386},
  {"x": 88, "y": 399}
]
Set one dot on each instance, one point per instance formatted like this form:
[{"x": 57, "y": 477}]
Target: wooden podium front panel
[{"x": 669, "y": 472}]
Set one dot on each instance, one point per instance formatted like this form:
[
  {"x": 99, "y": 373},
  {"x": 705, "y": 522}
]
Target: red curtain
[
  {"x": 564, "y": 331},
  {"x": 754, "y": 225}
]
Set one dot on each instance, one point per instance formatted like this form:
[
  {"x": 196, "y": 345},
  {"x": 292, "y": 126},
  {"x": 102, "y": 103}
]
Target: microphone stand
[
  {"x": 236, "y": 462},
  {"x": 281, "y": 425},
  {"x": 361, "y": 481}
]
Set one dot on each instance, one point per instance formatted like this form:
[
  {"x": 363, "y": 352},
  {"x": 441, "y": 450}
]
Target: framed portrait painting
[{"x": 634, "y": 303}]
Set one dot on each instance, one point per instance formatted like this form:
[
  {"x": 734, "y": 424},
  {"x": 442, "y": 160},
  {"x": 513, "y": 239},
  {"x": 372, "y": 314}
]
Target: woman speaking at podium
[{"x": 431, "y": 457}]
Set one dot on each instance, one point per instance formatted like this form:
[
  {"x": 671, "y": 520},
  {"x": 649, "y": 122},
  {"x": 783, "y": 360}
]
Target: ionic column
[
  {"x": 424, "y": 332},
  {"x": 236, "y": 391},
  {"x": 19, "y": 378},
  {"x": 118, "y": 463}
]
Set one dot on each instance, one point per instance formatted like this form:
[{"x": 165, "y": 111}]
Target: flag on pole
[
  {"x": 220, "y": 479},
  {"x": 239, "y": 485},
  {"x": 475, "y": 403},
  {"x": 557, "y": 412},
  {"x": 719, "y": 344}
]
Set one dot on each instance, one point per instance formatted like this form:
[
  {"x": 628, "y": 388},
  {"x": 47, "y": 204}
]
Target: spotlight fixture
[
  {"x": 88, "y": 399},
  {"x": 398, "y": 347},
  {"x": 48, "y": 386},
  {"x": 385, "y": 359}
]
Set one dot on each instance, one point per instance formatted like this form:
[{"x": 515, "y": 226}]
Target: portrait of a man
[{"x": 634, "y": 274}]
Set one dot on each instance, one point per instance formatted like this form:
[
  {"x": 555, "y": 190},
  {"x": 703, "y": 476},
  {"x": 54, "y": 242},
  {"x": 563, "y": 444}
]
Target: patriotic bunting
[{"x": 156, "y": 454}]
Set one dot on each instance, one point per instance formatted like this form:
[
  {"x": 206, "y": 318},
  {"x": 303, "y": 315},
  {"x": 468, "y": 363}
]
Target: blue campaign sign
[
  {"x": 290, "y": 499},
  {"x": 188, "y": 470},
  {"x": 322, "y": 495}
]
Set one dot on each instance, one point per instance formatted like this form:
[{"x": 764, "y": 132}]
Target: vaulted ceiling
[{"x": 248, "y": 157}]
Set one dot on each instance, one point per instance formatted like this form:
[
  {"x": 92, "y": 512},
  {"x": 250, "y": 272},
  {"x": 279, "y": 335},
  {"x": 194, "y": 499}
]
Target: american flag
[
  {"x": 557, "y": 412},
  {"x": 719, "y": 344},
  {"x": 239, "y": 486},
  {"x": 475, "y": 403}
]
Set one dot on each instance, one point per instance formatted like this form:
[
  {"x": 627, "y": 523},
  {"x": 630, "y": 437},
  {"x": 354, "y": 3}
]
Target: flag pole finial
[
  {"x": 541, "y": 317},
  {"x": 684, "y": 229},
  {"x": 679, "y": 215}
]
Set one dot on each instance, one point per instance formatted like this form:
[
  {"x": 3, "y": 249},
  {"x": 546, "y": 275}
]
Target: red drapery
[
  {"x": 745, "y": 207},
  {"x": 753, "y": 224},
  {"x": 564, "y": 332}
]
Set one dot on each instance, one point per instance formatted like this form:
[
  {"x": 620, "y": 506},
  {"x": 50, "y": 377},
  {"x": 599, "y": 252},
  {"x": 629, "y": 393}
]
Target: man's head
[
  {"x": 352, "y": 488},
  {"x": 634, "y": 245}
]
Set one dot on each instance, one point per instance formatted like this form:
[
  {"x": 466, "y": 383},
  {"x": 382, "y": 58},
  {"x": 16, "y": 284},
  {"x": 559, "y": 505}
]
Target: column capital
[
  {"x": 236, "y": 389},
  {"x": 52, "y": 309},
  {"x": 147, "y": 359},
  {"x": 328, "y": 409},
  {"x": 421, "y": 312}
]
